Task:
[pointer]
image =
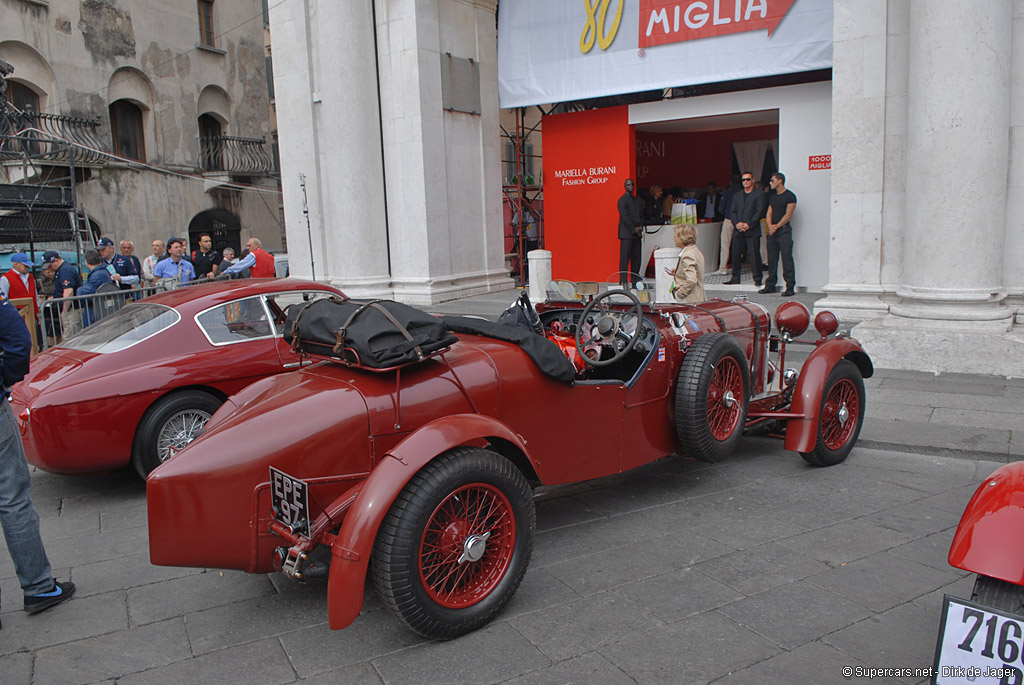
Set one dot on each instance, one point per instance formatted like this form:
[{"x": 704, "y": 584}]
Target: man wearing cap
[
  {"x": 19, "y": 518},
  {"x": 19, "y": 282},
  {"x": 66, "y": 281}
]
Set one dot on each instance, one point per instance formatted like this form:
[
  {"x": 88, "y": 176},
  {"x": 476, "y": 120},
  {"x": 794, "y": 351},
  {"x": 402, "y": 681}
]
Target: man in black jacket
[
  {"x": 747, "y": 211},
  {"x": 631, "y": 227},
  {"x": 18, "y": 516}
]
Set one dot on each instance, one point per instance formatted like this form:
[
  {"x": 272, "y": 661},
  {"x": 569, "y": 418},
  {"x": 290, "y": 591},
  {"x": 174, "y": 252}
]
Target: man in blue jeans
[{"x": 17, "y": 515}]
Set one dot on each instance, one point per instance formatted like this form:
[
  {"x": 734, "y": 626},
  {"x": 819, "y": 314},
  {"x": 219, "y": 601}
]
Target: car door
[{"x": 243, "y": 336}]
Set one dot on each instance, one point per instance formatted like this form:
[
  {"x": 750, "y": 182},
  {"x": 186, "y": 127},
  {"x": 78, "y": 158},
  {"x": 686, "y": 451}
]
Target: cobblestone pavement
[{"x": 759, "y": 569}]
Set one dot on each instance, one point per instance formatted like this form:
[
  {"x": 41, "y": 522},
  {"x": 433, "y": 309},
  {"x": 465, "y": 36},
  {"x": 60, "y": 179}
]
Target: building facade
[{"x": 167, "y": 109}]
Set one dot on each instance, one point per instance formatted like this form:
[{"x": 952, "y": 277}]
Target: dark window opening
[
  {"x": 206, "y": 34},
  {"x": 126, "y": 130},
  {"x": 211, "y": 149}
]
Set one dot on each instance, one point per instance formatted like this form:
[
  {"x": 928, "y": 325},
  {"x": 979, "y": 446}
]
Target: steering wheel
[{"x": 609, "y": 326}]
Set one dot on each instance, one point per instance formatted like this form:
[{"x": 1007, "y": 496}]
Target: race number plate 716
[{"x": 289, "y": 498}]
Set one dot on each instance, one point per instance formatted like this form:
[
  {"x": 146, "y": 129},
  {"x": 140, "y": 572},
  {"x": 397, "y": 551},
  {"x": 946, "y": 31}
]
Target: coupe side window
[{"x": 236, "y": 321}]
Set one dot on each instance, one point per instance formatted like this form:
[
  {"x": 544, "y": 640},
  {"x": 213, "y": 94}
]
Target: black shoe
[
  {"x": 61, "y": 592},
  {"x": 766, "y": 290},
  {"x": 788, "y": 293},
  {"x": 731, "y": 281}
]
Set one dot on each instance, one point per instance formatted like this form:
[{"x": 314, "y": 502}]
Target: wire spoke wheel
[
  {"x": 455, "y": 543},
  {"x": 180, "y": 430},
  {"x": 725, "y": 398},
  {"x": 467, "y": 545},
  {"x": 712, "y": 394},
  {"x": 840, "y": 415}
]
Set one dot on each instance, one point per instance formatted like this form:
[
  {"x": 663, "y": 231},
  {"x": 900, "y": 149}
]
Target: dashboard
[{"x": 619, "y": 327}]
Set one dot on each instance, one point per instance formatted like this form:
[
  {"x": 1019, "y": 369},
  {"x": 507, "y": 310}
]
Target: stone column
[
  {"x": 442, "y": 161},
  {"x": 957, "y": 150},
  {"x": 325, "y": 82},
  {"x": 951, "y": 313}
]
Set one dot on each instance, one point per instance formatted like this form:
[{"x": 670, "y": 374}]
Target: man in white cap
[{"x": 19, "y": 283}]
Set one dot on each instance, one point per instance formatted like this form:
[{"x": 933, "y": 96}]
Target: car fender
[
  {"x": 351, "y": 548},
  {"x": 987, "y": 541},
  {"x": 802, "y": 433}
]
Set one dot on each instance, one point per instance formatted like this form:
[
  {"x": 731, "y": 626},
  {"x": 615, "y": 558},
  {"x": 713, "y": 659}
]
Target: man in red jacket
[
  {"x": 259, "y": 262},
  {"x": 19, "y": 282}
]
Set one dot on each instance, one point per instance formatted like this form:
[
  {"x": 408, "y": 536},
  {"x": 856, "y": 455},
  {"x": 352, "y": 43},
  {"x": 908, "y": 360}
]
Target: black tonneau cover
[{"x": 545, "y": 354}]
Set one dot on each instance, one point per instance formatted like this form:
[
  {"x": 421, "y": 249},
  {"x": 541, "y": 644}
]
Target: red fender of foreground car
[
  {"x": 421, "y": 475},
  {"x": 140, "y": 384},
  {"x": 986, "y": 541}
]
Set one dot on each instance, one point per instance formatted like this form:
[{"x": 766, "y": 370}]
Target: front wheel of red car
[
  {"x": 455, "y": 544},
  {"x": 171, "y": 423},
  {"x": 712, "y": 395},
  {"x": 840, "y": 416}
]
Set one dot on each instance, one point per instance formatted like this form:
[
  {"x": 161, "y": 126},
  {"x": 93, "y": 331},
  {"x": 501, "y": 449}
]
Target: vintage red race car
[
  {"x": 421, "y": 474},
  {"x": 140, "y": 384}
]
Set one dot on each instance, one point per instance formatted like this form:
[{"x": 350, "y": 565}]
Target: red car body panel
[
  {"x": 987, "y": 539},
  {"x": 78, "y": 411},
  {"x": 357, "y": 437}
]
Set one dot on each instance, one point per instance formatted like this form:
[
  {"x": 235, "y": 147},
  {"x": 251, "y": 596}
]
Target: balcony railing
[
  {"x": 235, "y": 155},
  {"x": 44, "y": 137}
]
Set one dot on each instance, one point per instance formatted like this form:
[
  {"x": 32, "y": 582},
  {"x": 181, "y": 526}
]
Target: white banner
[{"x": 560, "y": 50}]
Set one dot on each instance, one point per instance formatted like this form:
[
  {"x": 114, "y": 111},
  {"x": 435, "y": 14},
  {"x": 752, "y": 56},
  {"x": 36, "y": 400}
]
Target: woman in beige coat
[{"x": 688, "y": 273}]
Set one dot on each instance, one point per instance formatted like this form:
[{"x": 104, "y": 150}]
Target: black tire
[
  {"x": 999, "y": 594},
  {"x": 193, "y": 408},
  {"x": 836, "y": 436},
  {"x": 423, "y": 526},
  {"x": 709, "y": 418}
]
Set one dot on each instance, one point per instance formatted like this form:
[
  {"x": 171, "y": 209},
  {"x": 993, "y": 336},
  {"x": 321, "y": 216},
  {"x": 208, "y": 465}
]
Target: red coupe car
[
  {"x": 141, "y": 384},
  {"x": 420, "y": 475}
]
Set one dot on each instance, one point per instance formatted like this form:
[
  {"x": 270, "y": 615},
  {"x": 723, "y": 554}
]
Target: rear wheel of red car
[
  {"x": 455, "y": 545},
  {"x": 840, "y": 416},
  {"x": 999, "y": 594},
  {"x": 712, "y": 394},
  {"x": 171, "y": 423}
]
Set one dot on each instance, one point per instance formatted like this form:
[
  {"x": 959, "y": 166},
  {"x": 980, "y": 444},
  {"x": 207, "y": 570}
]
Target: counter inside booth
[{"x": 709, "y": 237}]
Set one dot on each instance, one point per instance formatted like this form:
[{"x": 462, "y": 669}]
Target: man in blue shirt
[
  {"x": 19, "y": 518},
  {"x": 175, "y": 265},
  {"x": 66, "y": 281},
  {"x": 98, "y": 275}
]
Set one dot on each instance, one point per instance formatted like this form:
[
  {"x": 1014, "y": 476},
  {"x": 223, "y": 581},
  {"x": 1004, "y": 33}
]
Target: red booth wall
[{"x": 587, "y": 158}]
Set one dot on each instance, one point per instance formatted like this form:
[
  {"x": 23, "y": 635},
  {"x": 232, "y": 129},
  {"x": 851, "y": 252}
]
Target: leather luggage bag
[{"x": 378, "y": 334}]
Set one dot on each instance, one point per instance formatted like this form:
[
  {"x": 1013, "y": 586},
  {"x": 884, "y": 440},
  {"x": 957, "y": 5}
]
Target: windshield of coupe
[{"x": 131, "y": 325}]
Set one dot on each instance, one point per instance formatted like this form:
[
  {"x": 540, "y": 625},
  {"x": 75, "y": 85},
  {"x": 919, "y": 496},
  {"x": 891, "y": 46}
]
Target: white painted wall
[{"x": 805, "y": 129}]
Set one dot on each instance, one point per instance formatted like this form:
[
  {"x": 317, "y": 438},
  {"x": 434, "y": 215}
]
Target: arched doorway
[{"x": 223, "y": 226}]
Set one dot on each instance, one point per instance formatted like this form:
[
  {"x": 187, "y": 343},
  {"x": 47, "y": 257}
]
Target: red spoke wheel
[
  {"x": 467, "y": 545},
  {"x": 712, "y": 395},
  {"x": 840, "y": 416},
  {"x": 456, "y": 542}
]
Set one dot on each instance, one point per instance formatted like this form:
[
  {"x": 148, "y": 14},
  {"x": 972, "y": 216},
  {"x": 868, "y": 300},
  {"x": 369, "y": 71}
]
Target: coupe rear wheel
[
  {"x": 840, "y": 417},
  {"x": 171, "y": 423},
  {"x": 712, "y": 394},
  {"x": 999, "y": 594},
  {"x": 455, "y": 545}
]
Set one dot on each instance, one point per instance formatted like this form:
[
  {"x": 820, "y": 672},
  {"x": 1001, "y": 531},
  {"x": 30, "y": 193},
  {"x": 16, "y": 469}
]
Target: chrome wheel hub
[
  {"x": 728, "y": 399},
  {"x": 843, "y": 414},
  {"x": 473, "y": 548}
]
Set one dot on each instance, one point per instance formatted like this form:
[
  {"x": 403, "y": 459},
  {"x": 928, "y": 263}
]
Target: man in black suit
[
  {"x": 631, "y": 226},
  {"x": 747, "y": 210}
]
